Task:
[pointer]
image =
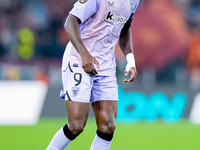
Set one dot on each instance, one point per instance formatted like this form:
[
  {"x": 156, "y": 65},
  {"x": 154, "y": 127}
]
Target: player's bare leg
[
  {"x": 77, "y": 117},
  {"x": 105, "y": 113}
]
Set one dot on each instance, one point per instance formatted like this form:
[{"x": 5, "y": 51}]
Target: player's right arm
[{"x": 72, "y": 28}]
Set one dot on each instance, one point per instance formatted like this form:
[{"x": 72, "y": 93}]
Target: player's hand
[
  {"x": 133, "y": 73},
  {"x": 88, "y": 62}
]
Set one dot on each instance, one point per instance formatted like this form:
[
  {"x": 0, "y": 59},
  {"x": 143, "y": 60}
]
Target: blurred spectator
[
  {"x": 44, "y": 18},
  {"x": 13, "y": 74},
  {"x": 193, "y": 16},
  {"x": 40, "y": 76},
  {"x": 26, "y": 41},
  {"x": 41, "y": 73},
  {"x": 161, "y": 37},
  {"x": 193, "y": 60}
]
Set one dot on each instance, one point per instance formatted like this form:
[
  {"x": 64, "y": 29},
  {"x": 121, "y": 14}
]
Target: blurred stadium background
[{"x": 166, "y": 39}]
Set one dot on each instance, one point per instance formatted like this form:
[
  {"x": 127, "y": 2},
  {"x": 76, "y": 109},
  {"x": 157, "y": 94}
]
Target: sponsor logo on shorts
[
  {"x": 75, "y": 91},
  {"x": 111, "y": 17},
  {"x": 82, "y": 1}
]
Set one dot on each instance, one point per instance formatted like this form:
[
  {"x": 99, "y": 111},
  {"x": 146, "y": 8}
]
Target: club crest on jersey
[
  {"x": 111, "y": 17},
  {"x": 83, "y": 1},
  {"x": 75, "y": 91}
]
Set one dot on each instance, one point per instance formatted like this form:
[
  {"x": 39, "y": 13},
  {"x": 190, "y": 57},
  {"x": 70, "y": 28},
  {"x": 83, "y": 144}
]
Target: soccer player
[{"x": 89, "y": 69}]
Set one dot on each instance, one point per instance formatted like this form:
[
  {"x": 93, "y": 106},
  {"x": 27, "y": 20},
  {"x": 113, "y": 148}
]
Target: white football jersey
[{"x": 100, "y": 28}]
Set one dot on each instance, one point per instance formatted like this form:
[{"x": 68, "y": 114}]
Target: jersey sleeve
[
  {"x": 135, "y": 7},
  {"x": 84, "y": 9},
  {"x": 130, "y": 20}
]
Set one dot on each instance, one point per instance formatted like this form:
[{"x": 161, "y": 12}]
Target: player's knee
[
  {"x": 111, "y": 127},
  {"x": 76, "y": 127},
  {"x": 108, "y": 127}
]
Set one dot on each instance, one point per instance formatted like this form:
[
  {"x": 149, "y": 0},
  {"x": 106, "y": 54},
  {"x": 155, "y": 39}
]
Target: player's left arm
[{"x": 125, "y": 43}]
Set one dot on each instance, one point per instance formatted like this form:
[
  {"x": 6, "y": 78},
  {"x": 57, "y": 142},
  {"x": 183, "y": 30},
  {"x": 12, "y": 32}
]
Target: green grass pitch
[{"x": 139, "y": 136}]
